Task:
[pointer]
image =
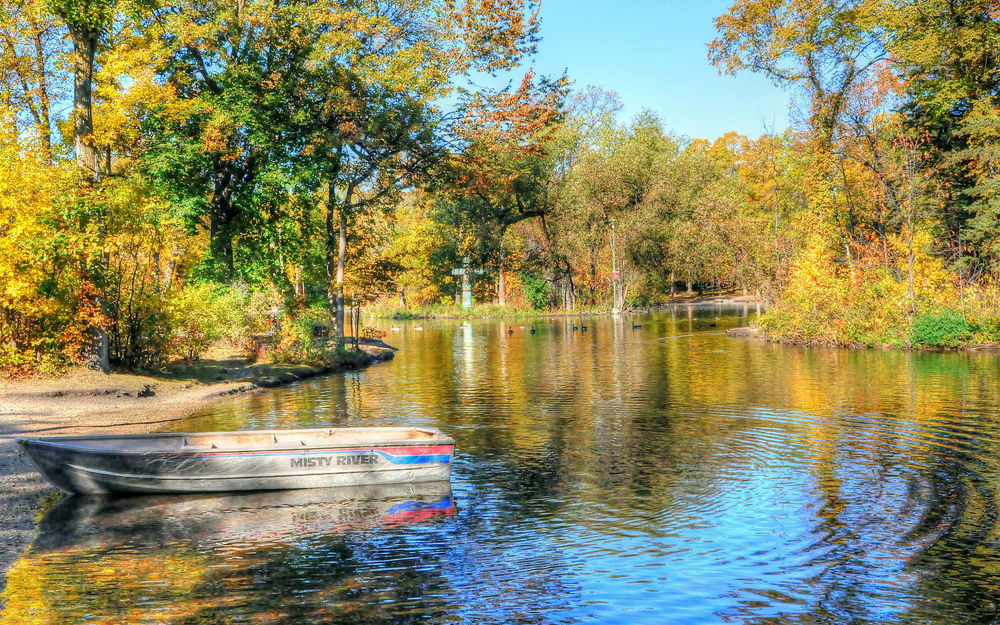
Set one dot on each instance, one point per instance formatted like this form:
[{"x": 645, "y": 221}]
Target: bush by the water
[
  {"x": 200, "y": 314},
  {"x": 299, "y": 343},
  {"x": 823, "y": 304},
  {"x": 945, "y": 329},
  {"x": 536, "y": 291}
]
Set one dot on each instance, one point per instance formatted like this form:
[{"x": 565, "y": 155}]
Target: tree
[
  {"x": 87, "y": 22},
  {"x": 946, "y": 55},
  {"x": 614, "y": 183},
  {"x": 831, "y": 49},
  {"x": 387, "y": 142},
  {"x": 501, "y": 174},
  {"x": 30, "y": 39},
  {"x": 379, "y": 127},
  {"x": 228, "y": 149},
  {"x": 824, "y": 46}
]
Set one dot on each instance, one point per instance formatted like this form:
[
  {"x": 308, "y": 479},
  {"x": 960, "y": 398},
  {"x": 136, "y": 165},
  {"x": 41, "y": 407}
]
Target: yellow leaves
[
  {"x": 498, "y": 33},
  {"x": 54, "y": 239},
  {"x": 41, "y": 255},
  {"x": 53, "y": 588},
  {"x": 216, "y": 137},
  {"x": 932, "y": 280}
]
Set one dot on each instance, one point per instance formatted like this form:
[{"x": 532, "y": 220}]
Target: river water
[{"x": 656, "y": 474}]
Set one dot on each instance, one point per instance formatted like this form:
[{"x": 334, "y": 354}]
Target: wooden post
[{"x": 465, "y": 272}]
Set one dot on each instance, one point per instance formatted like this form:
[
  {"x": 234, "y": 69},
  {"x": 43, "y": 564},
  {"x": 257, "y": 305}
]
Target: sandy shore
[{"x": 85, "y": 401}]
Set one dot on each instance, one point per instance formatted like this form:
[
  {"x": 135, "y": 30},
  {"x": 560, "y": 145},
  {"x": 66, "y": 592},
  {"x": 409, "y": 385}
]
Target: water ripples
[{"x": 662, "y": 475}]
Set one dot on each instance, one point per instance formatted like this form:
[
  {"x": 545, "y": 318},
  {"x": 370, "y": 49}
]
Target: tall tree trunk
[
  {"x": 592, "y": 282},
  {"x": 571, "y": 286},
  {"x": 84, "y": 51},
  {"x": 168, "y": 275},
  {"x": 221, "y": 214},
  {"x": 332, "y": 236},
  {"x": 501, "y": 288},
  {"x": 341, "y": 257},
  {"x": 341, "y": 260},
  {"x": 44, "y": 122},
  {"x": 910, "y": 258},
  {"x": 332, "y": 240}
]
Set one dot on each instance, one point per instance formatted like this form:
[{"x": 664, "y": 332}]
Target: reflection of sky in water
[{"x": 664, "y": 474}]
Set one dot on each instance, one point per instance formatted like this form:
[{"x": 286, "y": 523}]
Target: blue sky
[{"x": 654, "y": 55}]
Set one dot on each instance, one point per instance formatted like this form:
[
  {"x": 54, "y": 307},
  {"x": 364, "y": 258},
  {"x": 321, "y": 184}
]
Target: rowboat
[{"x": 241, "y": 461}]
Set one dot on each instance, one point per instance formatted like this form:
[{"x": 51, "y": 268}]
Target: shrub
[
  {"x": 987, "y": 330},
  {"x": 536, "y": 291},
  {"x": 195, "y": 320},
  {"x": 826, "y": 303},
  {"x": 945, "y": 329},
  {"x": 15, "y": 362},
  {"x": 245, "y": 314},
  {"x": 297, "y": 343}
]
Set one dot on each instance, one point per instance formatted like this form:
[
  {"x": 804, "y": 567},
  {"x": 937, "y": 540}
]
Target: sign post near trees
[{"x": 465, "y": 271}]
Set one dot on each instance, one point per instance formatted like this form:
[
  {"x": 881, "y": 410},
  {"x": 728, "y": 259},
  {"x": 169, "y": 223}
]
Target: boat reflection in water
[
  {"x": 275, "y": 557},
  {"x": 247, "y": 519}
]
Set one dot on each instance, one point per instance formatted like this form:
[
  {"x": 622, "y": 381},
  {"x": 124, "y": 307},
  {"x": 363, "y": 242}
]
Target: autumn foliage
[{"x": 166, "y": 164}]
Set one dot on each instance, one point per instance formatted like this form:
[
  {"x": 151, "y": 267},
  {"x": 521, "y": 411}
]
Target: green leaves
[{"x": 86, "y": 15}]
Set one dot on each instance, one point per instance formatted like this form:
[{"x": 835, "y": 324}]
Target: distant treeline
[{"x": 179, "y": 173}]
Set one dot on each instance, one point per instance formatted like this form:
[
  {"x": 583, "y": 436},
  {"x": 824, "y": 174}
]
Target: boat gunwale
[{"x": 65, "y": 442}]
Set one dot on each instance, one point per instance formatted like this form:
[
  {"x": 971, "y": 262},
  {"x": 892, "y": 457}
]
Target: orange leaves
[
  {"x": 216, "y": 138},
  {"x": 521, "y": 120},
  {"x": 498, "y": 33}
]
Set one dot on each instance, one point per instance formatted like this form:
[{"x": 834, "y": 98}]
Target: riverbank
[
  {"x": 756, "y": 333},
  {"x": 496, "y": 311},
  {"x": 84, "y": 401}
]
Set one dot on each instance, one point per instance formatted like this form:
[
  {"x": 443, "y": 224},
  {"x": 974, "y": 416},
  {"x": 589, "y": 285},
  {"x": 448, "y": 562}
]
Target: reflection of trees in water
[
  {"x": 944, "y": 568},
  {"x": 331, "y": 578},
  {"x": 905, "y": 534},
  {"x": 960, "y": 571},
  {"x": 343, "y": 579},
  {"x": 286, "y": 557},
  {"x": 275, "y": 555},
  {"x": 958, "y": 567},
  {"x": 900, "y": 521}
]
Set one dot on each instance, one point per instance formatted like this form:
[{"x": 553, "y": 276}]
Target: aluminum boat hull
[{"x": 242, "y": 461}]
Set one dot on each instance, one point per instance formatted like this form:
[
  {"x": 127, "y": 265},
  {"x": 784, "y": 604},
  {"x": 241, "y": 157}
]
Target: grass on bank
[{"x": 382, "y": 310}]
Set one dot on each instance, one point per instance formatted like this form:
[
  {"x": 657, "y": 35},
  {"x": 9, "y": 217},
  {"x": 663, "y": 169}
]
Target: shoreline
[
  {"x": 83, "y": 401},
  {"x": 512, "y": 313},
  {"x": 755, "y": 334}
]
